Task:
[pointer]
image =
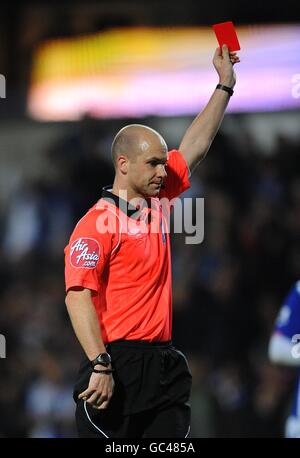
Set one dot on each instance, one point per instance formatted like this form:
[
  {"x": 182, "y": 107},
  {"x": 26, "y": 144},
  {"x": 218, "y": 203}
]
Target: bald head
[{"x": 136, "y": 139}]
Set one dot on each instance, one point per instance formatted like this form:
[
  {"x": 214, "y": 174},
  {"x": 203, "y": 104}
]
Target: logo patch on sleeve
[{"x": 85, "y": 253}]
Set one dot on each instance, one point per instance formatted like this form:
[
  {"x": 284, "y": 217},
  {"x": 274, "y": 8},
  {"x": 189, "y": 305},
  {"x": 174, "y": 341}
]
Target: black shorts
[{"x": 151, "y": 394}]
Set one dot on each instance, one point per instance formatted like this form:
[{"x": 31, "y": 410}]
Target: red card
[{"x": 226, "y": 35}]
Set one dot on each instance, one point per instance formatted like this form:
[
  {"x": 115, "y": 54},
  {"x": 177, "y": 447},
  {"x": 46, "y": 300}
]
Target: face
[{"x": 147, "y": 172}]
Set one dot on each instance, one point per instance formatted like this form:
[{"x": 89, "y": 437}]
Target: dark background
[{"x": 227, "y": 291}]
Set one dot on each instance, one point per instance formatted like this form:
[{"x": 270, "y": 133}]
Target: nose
[{"x": 161, "y": 173}]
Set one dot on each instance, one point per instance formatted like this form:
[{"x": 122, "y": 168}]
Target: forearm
[
  {"x": 85, "y": 322},
  {"x": 199, "y": 136}
]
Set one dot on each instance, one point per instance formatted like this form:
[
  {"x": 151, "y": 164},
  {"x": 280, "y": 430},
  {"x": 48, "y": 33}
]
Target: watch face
[{"x": 104, "y": 358}]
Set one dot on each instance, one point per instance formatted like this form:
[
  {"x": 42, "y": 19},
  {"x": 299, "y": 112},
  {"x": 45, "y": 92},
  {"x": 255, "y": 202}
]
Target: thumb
[
  {"x": 218, "y": 53},
  {"x": 225, "y": 51}
]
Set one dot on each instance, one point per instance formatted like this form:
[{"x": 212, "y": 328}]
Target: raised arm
[{"x": 199, "y": 136}]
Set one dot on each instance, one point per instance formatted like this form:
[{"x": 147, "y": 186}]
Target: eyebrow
[{"x": 158, "y": 159}]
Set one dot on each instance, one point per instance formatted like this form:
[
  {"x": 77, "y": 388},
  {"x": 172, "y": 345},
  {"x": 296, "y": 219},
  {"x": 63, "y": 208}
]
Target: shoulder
[
  {"x": 176, "y": 159},
  {"x": 102, "y": 218},
  {"x": 91, "y": 215},
  {"x": 177, "y": 179},
  {"x": 99, "y": 226}
]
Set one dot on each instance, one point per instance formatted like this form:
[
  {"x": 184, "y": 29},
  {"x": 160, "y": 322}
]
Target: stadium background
[{"x": 227, "y": 290}]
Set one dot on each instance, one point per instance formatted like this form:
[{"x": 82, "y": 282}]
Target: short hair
[
  {"x": 122, "y": 144},
  {"x": 126, "y": 141}
]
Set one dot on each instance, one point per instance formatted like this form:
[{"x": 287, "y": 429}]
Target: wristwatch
[
  {"x": 104, "y": 359},
  {"x": 227, "y": 89}
]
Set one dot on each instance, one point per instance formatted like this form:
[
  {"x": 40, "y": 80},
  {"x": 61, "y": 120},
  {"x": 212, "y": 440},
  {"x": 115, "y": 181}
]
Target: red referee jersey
[{"x": 123, "y": 255}]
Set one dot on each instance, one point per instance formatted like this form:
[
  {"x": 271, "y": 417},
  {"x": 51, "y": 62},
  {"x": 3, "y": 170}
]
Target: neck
[{"x": 124, "y": 192}]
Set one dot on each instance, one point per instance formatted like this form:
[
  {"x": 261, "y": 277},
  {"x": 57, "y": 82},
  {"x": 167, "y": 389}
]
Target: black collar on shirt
[{"x": 126, "y": 207}]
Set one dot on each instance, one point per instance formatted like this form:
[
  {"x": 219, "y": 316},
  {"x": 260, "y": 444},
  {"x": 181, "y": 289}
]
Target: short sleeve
[
  {"x": 288, "y": 319},
  {"x": 86, "y": 253},
  {"x": 177, "y": 180}
]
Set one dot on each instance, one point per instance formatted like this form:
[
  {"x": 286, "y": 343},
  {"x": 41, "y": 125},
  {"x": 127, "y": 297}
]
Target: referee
[{"x": 133, "y": 382}]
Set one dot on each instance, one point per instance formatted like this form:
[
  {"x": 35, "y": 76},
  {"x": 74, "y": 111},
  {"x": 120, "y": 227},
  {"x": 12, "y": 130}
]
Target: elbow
[
  {"x": 272, "y": 353},
  {"x": 68, "y": 300},
  {"x": 202, "y": 154},
  {"x": 194, "y": 153},
  {"x": 202, "y": 150},
  {"x": 280, "y": 350},
  {"x": 76, "y": 296}
]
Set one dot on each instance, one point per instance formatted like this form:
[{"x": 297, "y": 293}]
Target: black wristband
[
  {"x": 107, "y": 371},
  {"x": 225, "y": 88}
]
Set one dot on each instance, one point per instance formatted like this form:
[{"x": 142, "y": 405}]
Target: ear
[{"x": 123, "y": 164}]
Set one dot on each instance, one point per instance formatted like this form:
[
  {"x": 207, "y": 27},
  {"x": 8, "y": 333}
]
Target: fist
[{"x": 223, "y": 62}]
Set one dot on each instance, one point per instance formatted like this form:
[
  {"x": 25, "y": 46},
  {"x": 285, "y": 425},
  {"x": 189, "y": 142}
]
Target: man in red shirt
[{"x": 133, "y": 382}]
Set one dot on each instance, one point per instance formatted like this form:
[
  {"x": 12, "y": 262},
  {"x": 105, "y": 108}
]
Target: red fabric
[{"x": 131, "y": 279}]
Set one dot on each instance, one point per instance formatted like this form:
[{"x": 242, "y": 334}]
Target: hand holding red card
[
  {"x": 225, "y": 57},
  {"x": 226, "y": 35}
]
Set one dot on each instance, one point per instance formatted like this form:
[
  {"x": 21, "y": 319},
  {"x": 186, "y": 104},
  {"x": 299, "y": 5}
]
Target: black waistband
[{"x": 140, "y": 343}]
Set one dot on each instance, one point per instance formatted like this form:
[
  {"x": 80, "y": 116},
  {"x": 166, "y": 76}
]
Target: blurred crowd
[{"x": 227, "y": 290}]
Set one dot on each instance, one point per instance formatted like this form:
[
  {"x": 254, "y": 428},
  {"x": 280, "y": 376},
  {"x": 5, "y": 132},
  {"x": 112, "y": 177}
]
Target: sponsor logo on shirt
[{"x": 85, "y": 252}]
